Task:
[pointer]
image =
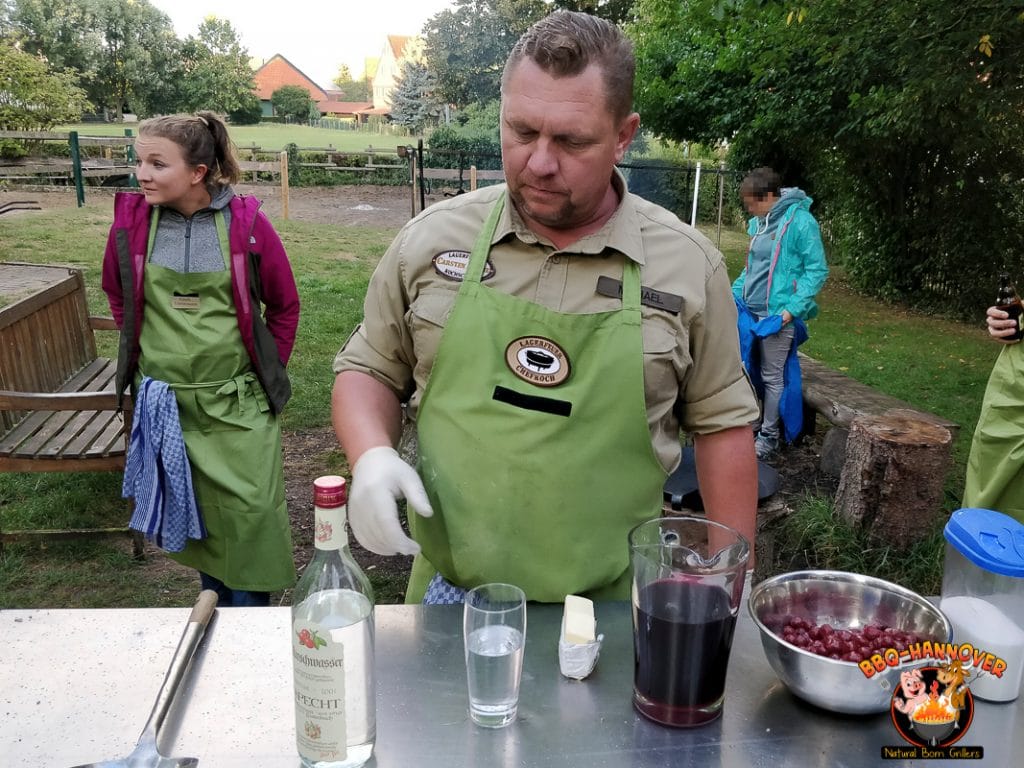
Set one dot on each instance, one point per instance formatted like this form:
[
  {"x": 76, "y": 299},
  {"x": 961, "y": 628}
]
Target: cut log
[{"x": 893, "y": 477}]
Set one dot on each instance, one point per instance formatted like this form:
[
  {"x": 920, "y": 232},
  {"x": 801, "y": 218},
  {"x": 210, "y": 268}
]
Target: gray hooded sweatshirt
[{"x": 191, "y": 244}]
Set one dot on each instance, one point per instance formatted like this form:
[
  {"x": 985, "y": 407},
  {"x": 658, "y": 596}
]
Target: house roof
[
  {"x": 342, "y": 107},
  {"x": 398, "y": 43},
  {"x": 278, "y": 72}
]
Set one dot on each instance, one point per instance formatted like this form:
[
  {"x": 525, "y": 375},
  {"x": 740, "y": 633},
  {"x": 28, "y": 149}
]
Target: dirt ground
[{"x": 390, "y": 208}]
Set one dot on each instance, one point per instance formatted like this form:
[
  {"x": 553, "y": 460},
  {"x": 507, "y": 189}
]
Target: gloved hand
[{"x": 378, "y": 479}]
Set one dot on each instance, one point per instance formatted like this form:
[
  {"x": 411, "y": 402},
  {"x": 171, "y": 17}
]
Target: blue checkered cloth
[
  {"x": 441, "y": 592},
  {"x": 157, "y": 473}
]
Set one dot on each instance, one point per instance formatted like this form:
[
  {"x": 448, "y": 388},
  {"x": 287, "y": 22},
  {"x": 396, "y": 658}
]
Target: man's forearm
[
  {"x": 365, "y": 414},
  {"x": 727, "y": 477}
]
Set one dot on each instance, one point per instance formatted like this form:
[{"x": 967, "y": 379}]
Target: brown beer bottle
[{"x": 1008, "y": 301}]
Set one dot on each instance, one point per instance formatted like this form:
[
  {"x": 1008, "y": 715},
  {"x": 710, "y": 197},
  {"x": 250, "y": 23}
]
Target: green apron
[
  {"x": 190, "y": 339},
  {"x": 533, "y": 443},
  {"x": 995, "y": 468}
]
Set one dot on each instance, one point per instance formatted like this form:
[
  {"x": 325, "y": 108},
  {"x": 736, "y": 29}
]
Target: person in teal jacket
[{"x": 785, "y": 270}]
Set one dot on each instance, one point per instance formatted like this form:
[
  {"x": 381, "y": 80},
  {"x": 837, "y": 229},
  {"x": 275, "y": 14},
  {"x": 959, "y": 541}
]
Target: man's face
[{"x": 559, "y": 144}]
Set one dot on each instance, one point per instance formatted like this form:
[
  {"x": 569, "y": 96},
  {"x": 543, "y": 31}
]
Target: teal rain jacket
[{"x": 797, "y": 269}]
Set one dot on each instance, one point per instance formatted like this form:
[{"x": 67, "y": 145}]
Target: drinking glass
[
  {"x": 494, "y": 632},
  {"x": 688, "y": 575}
]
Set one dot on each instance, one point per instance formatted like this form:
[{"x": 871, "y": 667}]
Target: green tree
[
  {"x": 414, "y": 103},
  {"x": 125, "y": 51},
  {"x": 292, "y": 101},
  {"x": 354, "y": 90},
  {"x": 33, "y": 96},
  {"x": 216, "y": 75},
  {"x": 466, "y": 46},
  {"x": 901, "y": 118}
]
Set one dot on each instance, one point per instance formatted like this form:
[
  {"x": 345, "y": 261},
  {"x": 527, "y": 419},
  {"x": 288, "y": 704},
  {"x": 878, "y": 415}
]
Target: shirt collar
[{"x": 621, "y": 232}]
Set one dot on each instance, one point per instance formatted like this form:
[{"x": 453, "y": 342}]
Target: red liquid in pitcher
[{"x": 681, "y": 650}]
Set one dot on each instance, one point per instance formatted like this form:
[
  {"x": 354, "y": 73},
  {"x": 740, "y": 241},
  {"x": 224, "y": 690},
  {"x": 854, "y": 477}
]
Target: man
[{"x": 547, "y": 385}]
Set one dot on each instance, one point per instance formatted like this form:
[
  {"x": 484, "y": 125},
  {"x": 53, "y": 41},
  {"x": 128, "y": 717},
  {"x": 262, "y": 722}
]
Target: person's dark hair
[
  {"x": 565, "y": 43},
  {"x": 760, "y": 183},
  {"x": 204, "y": 139}
]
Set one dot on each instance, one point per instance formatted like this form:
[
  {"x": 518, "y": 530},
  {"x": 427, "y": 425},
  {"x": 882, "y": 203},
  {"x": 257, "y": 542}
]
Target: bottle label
[
  {"x": 329, "y": 530},
  {"x": 319, "y": 666}
]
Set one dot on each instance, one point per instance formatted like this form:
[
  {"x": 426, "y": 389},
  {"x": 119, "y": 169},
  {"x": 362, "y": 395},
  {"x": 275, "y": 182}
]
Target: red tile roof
[
  {"x": 342, "y": 107},
  {"x": 398, "y": 43},
  {"x": 278, "y": 72}
]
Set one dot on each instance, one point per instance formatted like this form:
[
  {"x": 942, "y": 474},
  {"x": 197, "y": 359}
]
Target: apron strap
[{"x": 482, "y": 246}]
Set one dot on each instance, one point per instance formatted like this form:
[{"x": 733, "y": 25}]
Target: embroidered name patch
[
  {"x": 537, "y": 360},
  {"x": 187, "y": 301},
  {"x": 452, "y": 265}
]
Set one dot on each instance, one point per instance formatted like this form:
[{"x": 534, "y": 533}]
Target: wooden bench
[
  {"x": 58, "y": 406},
  {"x": 840, "y": 399}
]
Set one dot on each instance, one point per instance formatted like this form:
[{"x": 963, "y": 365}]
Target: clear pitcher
[{"x": 688, "y": 575}]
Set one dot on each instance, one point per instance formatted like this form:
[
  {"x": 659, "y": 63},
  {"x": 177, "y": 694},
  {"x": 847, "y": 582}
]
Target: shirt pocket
[
  {"x": 426, "y": 319},
  {"x": 662, "y": 362}
]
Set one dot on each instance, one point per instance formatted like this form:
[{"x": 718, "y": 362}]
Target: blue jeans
[{"x": 233, "y": 598}]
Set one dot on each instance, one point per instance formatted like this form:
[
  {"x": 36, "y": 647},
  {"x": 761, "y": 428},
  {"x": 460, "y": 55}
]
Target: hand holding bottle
[
  {"x": 1003, "y": 319},
  {"x": 379, "y": 478}
]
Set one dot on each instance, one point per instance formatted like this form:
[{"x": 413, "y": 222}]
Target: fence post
[
  {"x": 284, "y": 185},
  {"x": 129, "y": 154},
  {"x": 721, "y": 195},
  {"x": 696, "y": 192},
  {"x": 419, "y": 158},
  {"x": 472, "y": 178},
  {"x": 76, "y": 168}
]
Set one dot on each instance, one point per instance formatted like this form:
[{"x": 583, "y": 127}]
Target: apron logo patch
[
  {"x": 452, "y": 265},
  {"x": 187, "y": 301},
  {"x": 537, "y": 360}
]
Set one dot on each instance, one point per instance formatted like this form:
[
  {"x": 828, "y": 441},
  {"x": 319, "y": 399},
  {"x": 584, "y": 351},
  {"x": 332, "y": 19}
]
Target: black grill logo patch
[
  {"x": 537, "y": 360},
  {"x": 452, "y": 265}
]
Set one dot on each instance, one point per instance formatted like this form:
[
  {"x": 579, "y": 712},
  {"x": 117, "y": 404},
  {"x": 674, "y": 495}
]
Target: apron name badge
[
  {"x": 538, "y": 361},
  {"x": 188, "y": 301},
  {"x": 453, "y": 264}
]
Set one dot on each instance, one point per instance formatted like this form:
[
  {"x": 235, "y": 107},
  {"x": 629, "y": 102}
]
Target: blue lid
[{"x": 989, "y": 539}]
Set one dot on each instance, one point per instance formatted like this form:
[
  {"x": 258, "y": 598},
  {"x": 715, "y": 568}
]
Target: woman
[
  {"x": 785, "y": 269},
  {"x": 187, "y": 266}
]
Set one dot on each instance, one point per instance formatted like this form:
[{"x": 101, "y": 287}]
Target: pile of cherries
[{"x": 845, "y": 644}]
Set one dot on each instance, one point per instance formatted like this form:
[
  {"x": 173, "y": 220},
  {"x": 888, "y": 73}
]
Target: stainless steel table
[{"x": 76, "y": 686}]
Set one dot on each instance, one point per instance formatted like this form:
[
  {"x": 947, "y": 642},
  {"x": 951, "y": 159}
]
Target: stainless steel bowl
[{"x": 849, "y": 601}]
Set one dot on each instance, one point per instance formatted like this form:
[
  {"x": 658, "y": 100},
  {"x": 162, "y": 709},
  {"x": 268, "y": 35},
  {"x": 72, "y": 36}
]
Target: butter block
[{"x": 578, "y": 623}]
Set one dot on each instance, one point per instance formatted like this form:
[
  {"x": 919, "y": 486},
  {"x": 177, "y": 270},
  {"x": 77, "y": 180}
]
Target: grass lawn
[{"x": 272, "y": 137}]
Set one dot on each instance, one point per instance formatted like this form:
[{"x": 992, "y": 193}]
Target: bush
[
  {"x": 448, "y": 148},
  {"x": 249, "y": 113}
]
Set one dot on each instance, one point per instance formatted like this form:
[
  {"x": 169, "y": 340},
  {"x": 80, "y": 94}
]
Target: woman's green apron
[
  {"x": 995, "y": 468},
  {"x": 190, "y": 339},
  {"x": 533, "y": 443}
]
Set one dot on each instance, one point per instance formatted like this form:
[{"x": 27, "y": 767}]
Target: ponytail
[{"x": 204, "y": 139}]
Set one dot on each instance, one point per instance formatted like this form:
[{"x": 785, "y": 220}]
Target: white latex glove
[{"x": 379, "y": 478}]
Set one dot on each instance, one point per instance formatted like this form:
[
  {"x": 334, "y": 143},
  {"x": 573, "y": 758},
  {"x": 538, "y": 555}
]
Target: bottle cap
[
  {"x": 329, "y": 491},
  {"x": 989, "y": 539}
]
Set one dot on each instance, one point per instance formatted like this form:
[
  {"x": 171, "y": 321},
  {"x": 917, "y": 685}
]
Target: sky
[{"x": 317, "y": 36}]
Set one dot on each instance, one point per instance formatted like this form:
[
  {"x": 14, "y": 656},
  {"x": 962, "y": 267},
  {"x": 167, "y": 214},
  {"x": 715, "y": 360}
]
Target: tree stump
[{"x": 893, "y": 478}]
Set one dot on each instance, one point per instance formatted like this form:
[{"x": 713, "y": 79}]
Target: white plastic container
[{"x": 983, "y": 597}]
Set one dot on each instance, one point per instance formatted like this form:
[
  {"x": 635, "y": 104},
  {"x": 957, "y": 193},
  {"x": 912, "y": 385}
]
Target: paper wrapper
[{"x": 577, "y": 660}]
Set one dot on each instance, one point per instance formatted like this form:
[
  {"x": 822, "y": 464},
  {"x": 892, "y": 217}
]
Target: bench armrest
[
  {"x": 102, "y": 323},
  {"x": 61, "y": 401}
]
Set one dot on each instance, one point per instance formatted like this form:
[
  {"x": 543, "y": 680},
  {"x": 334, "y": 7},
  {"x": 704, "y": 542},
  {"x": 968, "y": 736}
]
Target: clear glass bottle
[
  {"x": 332, "y": 643},
  {"x": 1008, "y": 301}
]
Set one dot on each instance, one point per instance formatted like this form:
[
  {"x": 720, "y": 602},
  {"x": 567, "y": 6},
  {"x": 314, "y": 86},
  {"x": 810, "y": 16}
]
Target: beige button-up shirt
[{"x": 693, "y": 375}]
